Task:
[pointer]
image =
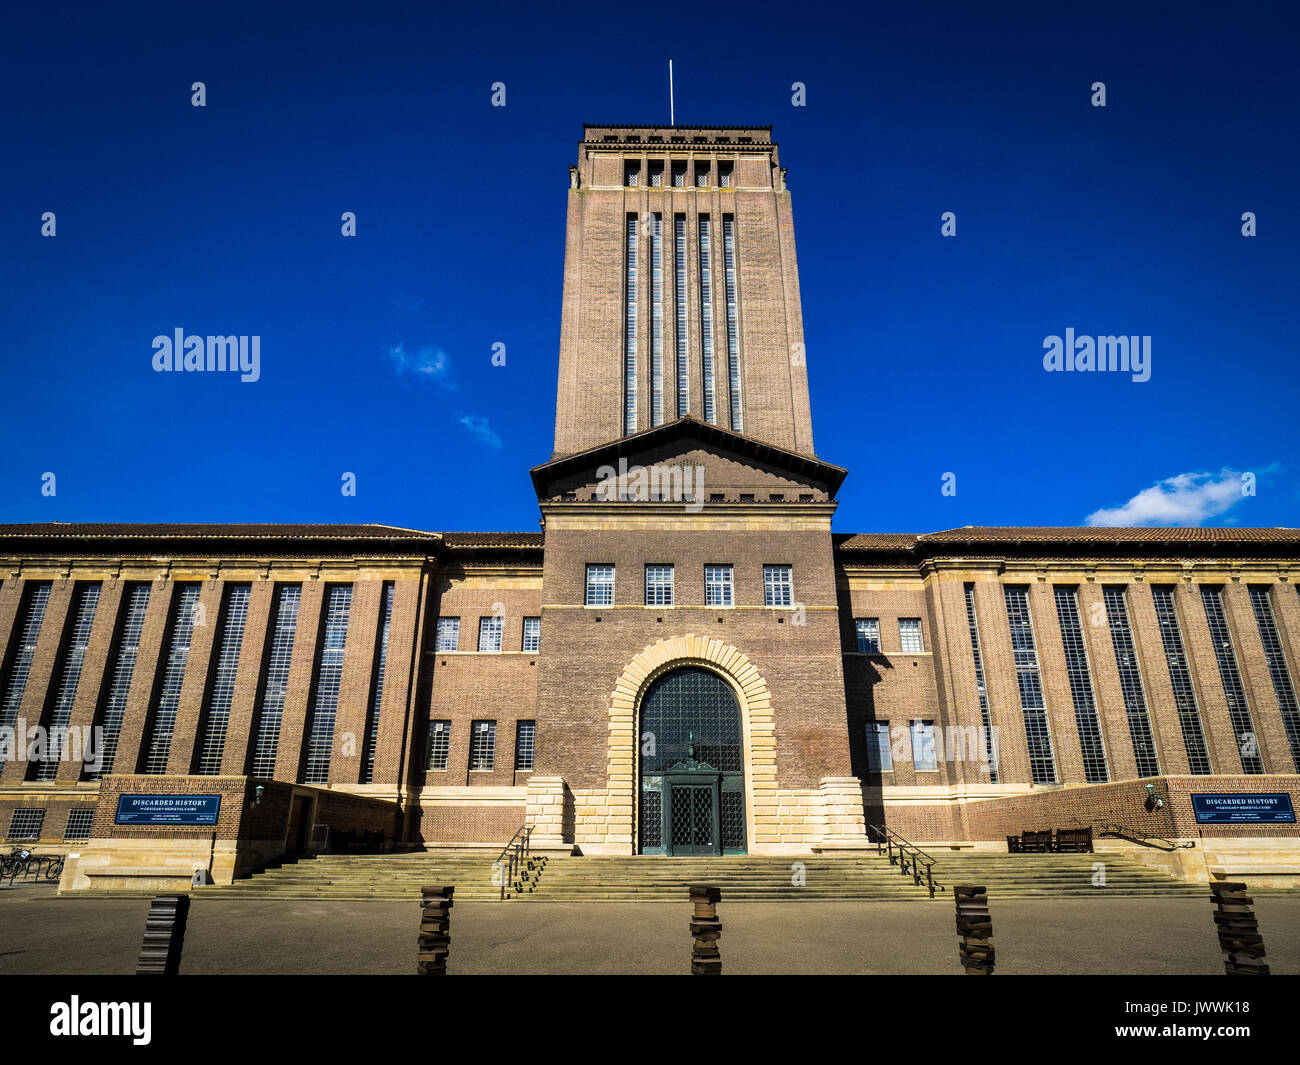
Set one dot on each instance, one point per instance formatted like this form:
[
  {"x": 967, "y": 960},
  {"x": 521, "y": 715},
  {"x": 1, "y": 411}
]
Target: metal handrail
[
  {"x": 1113, "y": 828},
  {"x": 513, "y": 854},
  {"x": 908, "y": 853}
]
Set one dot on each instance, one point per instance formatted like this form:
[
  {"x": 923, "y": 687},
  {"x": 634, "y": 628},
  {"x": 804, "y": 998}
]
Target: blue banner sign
[
  {"x": 1245, "y": 809},
  {"x": 168, "y": 809}
]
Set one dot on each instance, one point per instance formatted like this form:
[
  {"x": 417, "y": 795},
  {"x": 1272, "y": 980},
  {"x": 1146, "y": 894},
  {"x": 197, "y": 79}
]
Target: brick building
[{"x": 685, "y": 660}]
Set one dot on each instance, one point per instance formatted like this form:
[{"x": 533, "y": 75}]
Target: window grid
[
  {"x": 986, "y": 717},
  {"x": 706, "y": 321},
  {"x": 778, "y": 586},
  {"x": 909, "y": 636},
  {"x": 1024, "y": 651},
  {"x": 680, "y": 302},
  {"x": 377, "y": 695},
  {"x": 924, "y": 759},
  {"x": 532, "y": 634},
  {"x": 26, "y": 824},
  {"x": 137, "y": 604},
  {"x": 178, "y": 655},
  {"x": 679, "y": 175},
  {"x": 483, "y": 745},
  {"x": 490, "y": 631},
  {"x": 212, "y": 747},
  {"x": 701, "y": 175},
  {"x": 718, "y": 586},
  {"x": 329, "y": 679},
  {"x": 448, "y": 634},
  {"x": 87, "y": 599},
  {"x": 1189, "y": 716},
  {"x": 724, "y": 175},
  {"x": 1080, "y": 677},
  {"x": 658, "y": 585},
  {"x": 37, "y": 600},
  {"x": 629, "y": 330},
  {"x": 78, "y": 824},
  {"x": 656, "y": 321},
  {"x": 868, "y": 633},
  {"x": 733, "y": 319},
  {"x": 525, "y": 743},
  {"x": 1130, "y": 683},
  {"x": 1238, "y": 709},
  {"x": 1277, "y": 668},
  {"x": 439, "y": 745},
  {"x": 275, "y": 684},
  {"x": 600, "y": 585},
  {"x": 879, "y": 757}
]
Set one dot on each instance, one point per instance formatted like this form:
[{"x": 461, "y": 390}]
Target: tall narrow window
[
  {"x": 525, "y": 743},
  {"x": 629, "y": 330},
  {"x": 778, "y": 586},
  {"x": 1080, "y": 677},
  {"x": 879, "y": 759},
  {"x": 733, "y": 321},
  {"x": 275, "y": 682},
  {"x": 656, "y": 321},
  {"x": 87, "y": 599},
  {"x": 1024, "y": 652},
  {"x": 1238, "y": 708},
  {"x": 1180, "y": 678},
  {"x": 923, "y": 753},
  {"x": 656, "y": 174},
  {"x": 600, "y": 586},
  {"x": 679, "y": 175},
  {"x": 986, "y": 718},
  {"x": 680, "y": 300},
  {"x": 658, "y": 585},
  {"x": 38, "y": 598},
  {"x": 718, "y": 586},
  {"x": 178, "y": 656},
  {"x": 1130, "y": 683},
  {"x": 706, "y": 321},
  {"x": 483, "y": 745},
  {"x": 329, "y": 678},
  {"x": 532, "y": 634},
  {"x": 234, "y": 616},
  {"x": 439, "y": 745},
  {"x": 490, "y": 630},
  {"x": 724, "y": 174},
  {"x": 448, "y": 634},
  {"x": 702, "y": 175},
  {"x": 128, "y": 646},
  {"x": 377, "y": 692},
  {"x": 632, "y": 173},
  {"x": 909, "y": 636},
  {"x": 1277, "y": 668},
  {"x": 868, "y": 633}
]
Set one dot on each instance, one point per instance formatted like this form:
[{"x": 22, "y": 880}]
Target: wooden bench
[
  {"x": 1074, "y": 840},
  {"x": 1037, "y": 842}
]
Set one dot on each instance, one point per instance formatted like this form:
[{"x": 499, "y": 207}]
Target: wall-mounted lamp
[
  {"x": 257, "y": 795},
  {"x": 1152, "y": 802}
]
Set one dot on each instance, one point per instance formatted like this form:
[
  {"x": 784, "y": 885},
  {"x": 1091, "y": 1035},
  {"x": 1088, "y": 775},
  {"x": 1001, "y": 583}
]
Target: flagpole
[{"x": 672, "y": 112}]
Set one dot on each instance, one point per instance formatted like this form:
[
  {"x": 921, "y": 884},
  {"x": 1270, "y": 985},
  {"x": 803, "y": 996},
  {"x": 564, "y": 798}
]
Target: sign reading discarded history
[
  {"x": 168, "y": 809},
  {"x": 1268, "y": 808}
]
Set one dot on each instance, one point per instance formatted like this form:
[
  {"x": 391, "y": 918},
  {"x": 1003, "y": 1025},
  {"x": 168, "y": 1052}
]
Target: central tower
[{"x": 681, "y": 293}]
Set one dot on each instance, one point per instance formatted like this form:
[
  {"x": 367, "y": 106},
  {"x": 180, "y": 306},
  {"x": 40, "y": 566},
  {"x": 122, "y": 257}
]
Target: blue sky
[{"x": 925, "y": 352}]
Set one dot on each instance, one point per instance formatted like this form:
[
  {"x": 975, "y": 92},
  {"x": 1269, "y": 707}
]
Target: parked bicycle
[{"x": 21, "y": 863}]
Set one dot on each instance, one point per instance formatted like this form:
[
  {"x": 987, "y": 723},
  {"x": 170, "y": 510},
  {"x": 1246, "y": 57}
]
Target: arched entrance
[{"x": 692, "y": 766}]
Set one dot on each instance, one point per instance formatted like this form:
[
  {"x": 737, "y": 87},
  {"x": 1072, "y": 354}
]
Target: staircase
[{"x": 659, "y": 879}]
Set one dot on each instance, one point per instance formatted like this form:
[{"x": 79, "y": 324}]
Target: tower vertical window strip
[
  {"x": 1024, "y": 651},
  {"x": 629, "y": 330},
  {"x": 212, "y": 746},
  {"x": 329, "y": 678},
  {"x": 137, "y": 603},
  {"x": 1238, "y": 708},
  {"x": 37, "y": 600},
  {"x": 680, "y": 299},
  {"x": 377, "y": 696},
  {"x": 1080, "y": 677},
  {"x": 1277, "y": 668},
  {"x": 986, "y": 719},
  {"x": 733, "y": 321},
  {"x": 1180, "y": 678},
  {"x": 656, "y": 321},
  {"x": 169, "y": 698},
  {"x": 275, "y": 685},
  {"x": 706, "y": 322},
  {"x": 84, "y": 618},
  {"x": 1130, "y": 682}
]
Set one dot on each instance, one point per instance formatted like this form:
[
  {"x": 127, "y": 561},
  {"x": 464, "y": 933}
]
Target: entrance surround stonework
[{"x": 777, "y": 821}]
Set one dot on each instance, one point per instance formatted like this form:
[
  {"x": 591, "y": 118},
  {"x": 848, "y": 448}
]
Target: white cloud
[
  {"x": 429, "y": 363},
  {"x": 1184, "y": 499},
  {"x": 478, "y": 425}
]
